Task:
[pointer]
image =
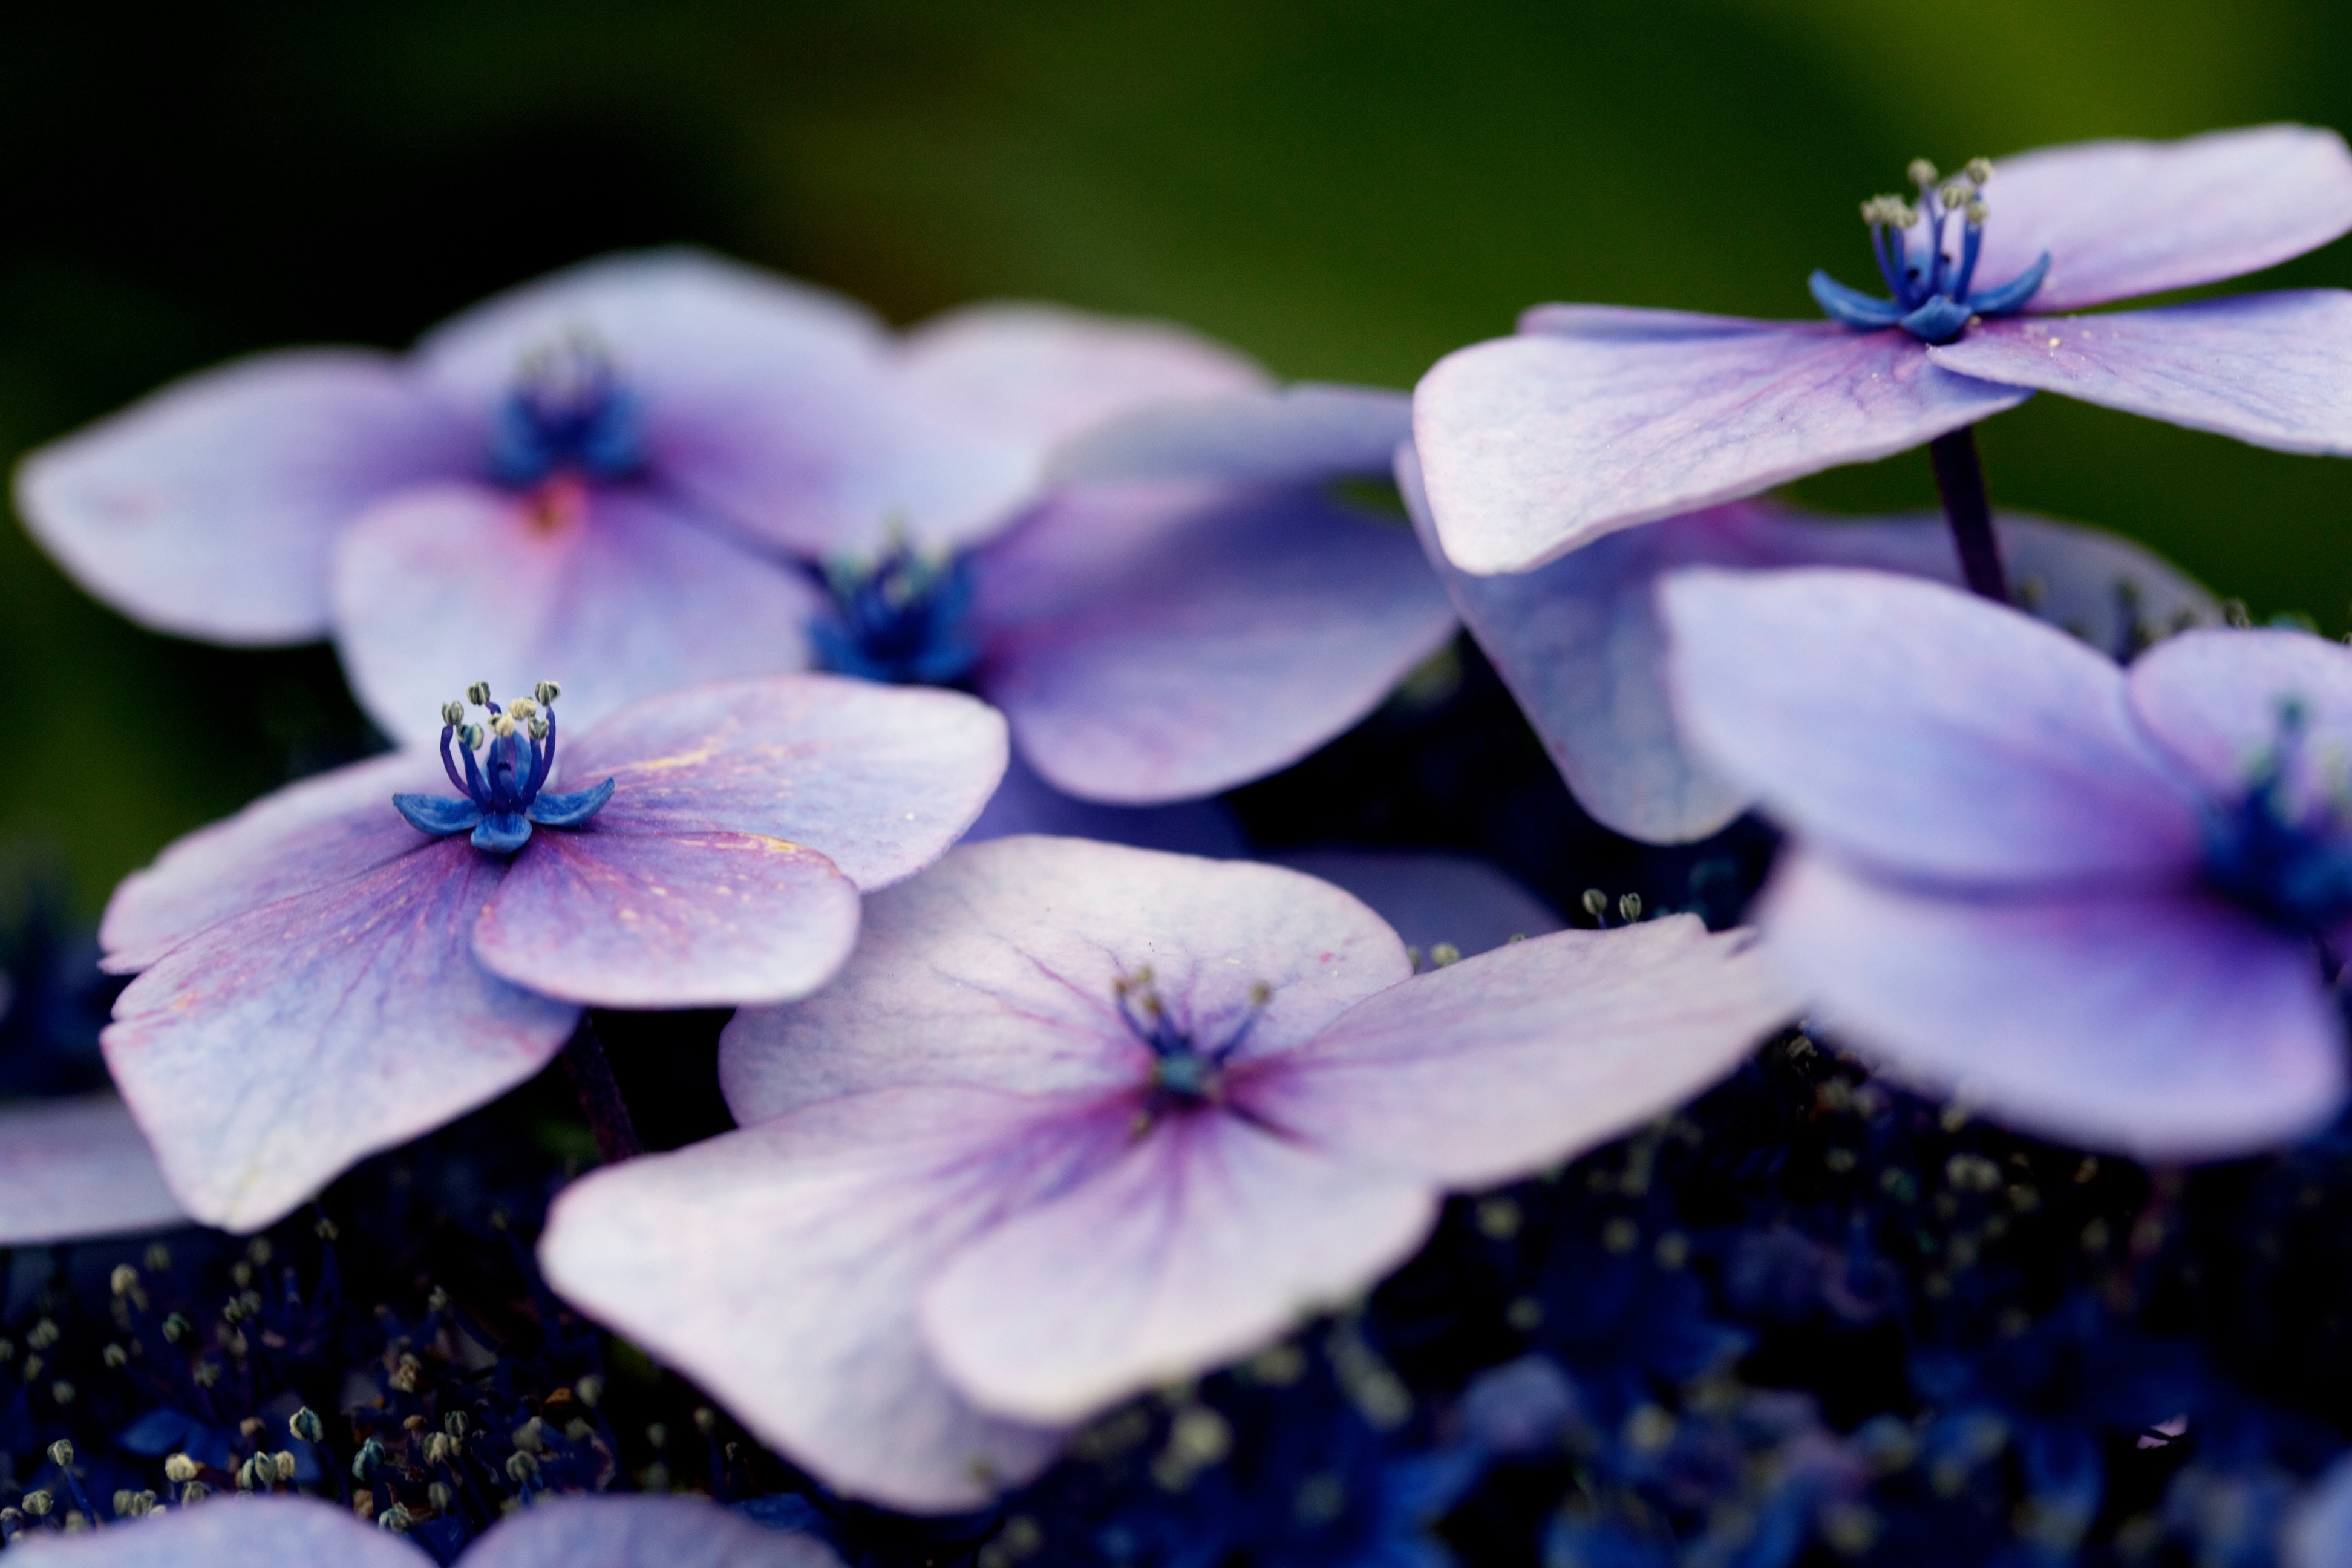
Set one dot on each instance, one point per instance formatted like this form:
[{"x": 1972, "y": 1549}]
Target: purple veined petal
[
  {"x": 1921, "y": 730},
  {"x": 77, "y": 1167},
  {"x": 208, "y": 509},
  {"x": 2212, "y": 702},
  {"x": 275, "y": 1048},
  {"x": 779, "y": 1268},
  {"x": 1000, "y": 966},
  {"x": 2272, "y": 370},
  {"x": 1023, "y": 803},
  {"x": 880, "y": 780},
  {"x": 614, "y": 594},
  {"x": 1533, "y": 445},
  {"x": 1484, "y": 1070},
  {"x": 2164, "y": 1024},
  {"x": 1430, "y": 899},
  {"x": 1235, "y": 638},
  {"x": 2317, "y": 1532},
  {"x": 640, "y": 1531},
  {"x": 1296, "y": 434},
  {"x": 231, "y": 1531},
  {"x": 2120, "y": 218},
  {"x": 311, "y": 834},
  {"x": 688, "y": 919},
  {"x": 1207, "y": 1238}
]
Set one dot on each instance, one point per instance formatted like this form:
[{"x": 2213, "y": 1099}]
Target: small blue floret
[
  {"x": 504, "y": 795},
  {"x": 1932, "y": 296},
  {"x": 905, "y": 619}
]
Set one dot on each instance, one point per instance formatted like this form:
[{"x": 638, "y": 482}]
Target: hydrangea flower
[
  {"x": 2107, "y": 905},
  {"x": 362, "y": 955},
  {"x": 1580, "y": 644},
  {"x": 564, "y": 1533},
  {"x": 1595, "y": 419},
  {"x": 659, "y": 469},
  {"x": 1079, "y": 1119}
]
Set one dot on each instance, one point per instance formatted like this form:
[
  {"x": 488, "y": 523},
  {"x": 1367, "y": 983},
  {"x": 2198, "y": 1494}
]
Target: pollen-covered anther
[
  {"x": 1979, "y": 171},
  {"x": 1921, "y": 172}
]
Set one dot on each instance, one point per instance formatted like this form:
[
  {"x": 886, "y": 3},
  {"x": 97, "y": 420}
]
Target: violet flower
[
  {"x": 1079, "y": 1118},
  {"x": 2107, "y": 905},
  {"x": 1579, "y": 643},
  {"x": 1599, "y": 417},
  {"x": 359, "y": 958},
  {"x": 572, "y": 1531},
  {"x": 78, "y": 1166}
]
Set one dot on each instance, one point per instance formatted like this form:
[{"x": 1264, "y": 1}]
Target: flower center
[
  {"x": 1927, "y": 252},
  {"x": 904, "y": 617},
  {"x": 503, "y": 795},
  {"x": 568, "y": 412},
  {"x": 1183, "y": 1074},
  {"x": 2283, "y": 849}
]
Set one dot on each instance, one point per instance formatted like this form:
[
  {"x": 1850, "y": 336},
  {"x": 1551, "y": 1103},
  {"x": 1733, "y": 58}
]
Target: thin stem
[
  {"x": 600, "y": 1095},
  {"x": 1959, "y": 480}
]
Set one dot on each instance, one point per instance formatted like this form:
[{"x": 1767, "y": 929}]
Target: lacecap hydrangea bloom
[
  {"x": 1595, "y": 419},
  {"x": 1078, "y": 1120},
  {"x": 364, "y": 956},
  {"x": 2107, "y": 905}
]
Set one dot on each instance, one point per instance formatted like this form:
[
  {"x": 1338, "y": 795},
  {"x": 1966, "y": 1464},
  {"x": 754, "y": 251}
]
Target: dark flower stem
[
  {"x": 600, "y": 1095},
  {"x": 1959, "y": 480}
]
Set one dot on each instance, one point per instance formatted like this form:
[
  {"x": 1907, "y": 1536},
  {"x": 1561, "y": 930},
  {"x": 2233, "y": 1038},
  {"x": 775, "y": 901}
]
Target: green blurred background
[{"x": 1348, "y": 190}]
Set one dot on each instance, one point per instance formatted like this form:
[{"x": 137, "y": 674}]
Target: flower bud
[
  {"x": 368, "y": 1461},
  {"x": 285, "y": 1463},
  {"x": 61, "y": 1454},
  {"x": 521, "y": 710},
  {"x": 305, "y": 1424},
  {"x": 520, "y": 1467},
  {"x": 39, "y": 1503}
]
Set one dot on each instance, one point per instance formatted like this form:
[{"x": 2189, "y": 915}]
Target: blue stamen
[
  {"x": 2289, "y": 864},
  {"x": 500, "y": 803},
  {"x": 1181, "y": 1072},
  {"x": 568, "y": 412},
  {"x": 1931, "y": 298},
  {"x": 905, "y": 618}
]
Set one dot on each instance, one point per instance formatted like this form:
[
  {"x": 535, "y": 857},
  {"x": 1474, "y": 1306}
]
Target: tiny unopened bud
[
  {"x": 61, "y": 1454},
  {"x": 1444, "y": 953},
  {"x": 194, "y": 1493},
  {"x": 397, "y": 1519},
  {"x": 478, "y": 694},
  {"x": 1980, "y": 171},
  {"x": 180, "y": 1470},
  {"x": 503, "y": 725},
  {"x": 1954, "y": 195},
  {"x": 123, "y": 1281},
  {"x": 285, "y": 1463},
  {"x": 1921, "y": 172},
  {"x": 530, "y": 1437},
  {"x": 39, "y": 1503},
  {"x": 256, "y": 1475},
  {"x": 453, "y": 713},
  {"x": 177, "y": 1328},
  {"x": 305, "y": 1424},
  {"x": 1629, "y": 908},
  {"x": 456, "y": 1424},
  {"x": 368, "y": 1461},
  {"x": 546, "y": 691},
  {"x": 439, "y": 1495},
  {"x": 133, "y": 1505},
  {"x": 520, "y": 1467},
  {"x": 1595, "y": 902},
  {"x": 115, "y": 1356},
  {"x": 522, "y": 710},
  {"x": 590, "y": 1388},
  {"x": 440, "y": 1449}
]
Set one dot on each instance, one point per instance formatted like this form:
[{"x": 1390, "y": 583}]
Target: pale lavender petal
[
  {"x": 307, "y": 836},
  {"x": 1535, "y": 445},
  {"x": 2123, "y": 217},
  {"x": 676, "y": 1531},
  {"x": 1917, "y": 728},
  {"x": 2167, "y": 1025},
  {"x": 275, "y": 1048},
  {"x": 2274, "y": 369},
  {"x": 2211, "y": 700},
  {"x": 1430, "y": 899},
  {"x": 1206, "y": 1239},
  {"x": 1229, "y": 641},
  {"x": 1023, "y": 803},
  {"x": 880, "y": 780},
  {"x": 209, "y": 508},
  {"x": 1482, "y": 1071},
  {"x": 687, "y": 920},
  {"x": 233, "y": 1532},
  {"x": 779, "y": 1268},
  {"x": 1298, "y": 434},
  {"x": 1000, "y": 966},
  {"x": 609, "y": 592},
  {"x": 2318, "y": 1532},
  {"x": 77, "y": 1167}
]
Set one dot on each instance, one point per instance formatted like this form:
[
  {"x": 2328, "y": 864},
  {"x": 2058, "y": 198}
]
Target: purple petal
[
  {"x": 2317, "y": 1532},
  {"x": 208, "y": 509},
  {"x": 275, "y": 1048},
  {"x": 1207, "y": 1238},
  {"x": 2211, "y": 700},
  {"x": 1430, "y": 899},
  {"x": 233, "y": 1531},
  {"x": 880, "y": 780},
  {"x": 1915, "y": 727},
  {"x": 678, "y": 1532},
  {"x": 2120, "y": 218},
  {"x": 2164, "y": 1024},
  {"x": 1023, "y": 803},
  {"x": 613, "y": 594},
  {"x": 779, "y": 1268},
  {"x": 77, "y": 1167},
  {"x": 1220, "y": 638},
  {"x": 1487, "y": 1069},
  {"x": 690, "y": 919},
  {"x": 1535, "y": 445},
  {"x": 308, "y": 836},
  {"x": 2274, "y": 369},
  {"x": 1000, "y": 968},
  {"x": 1298, "y": 434}
]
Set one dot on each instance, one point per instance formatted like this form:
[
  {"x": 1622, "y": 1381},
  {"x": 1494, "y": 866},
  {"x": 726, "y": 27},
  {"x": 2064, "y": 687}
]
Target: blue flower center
[
  {"x": 903, "y": 618},
  {"x": 499, "y": 797},
  {"x": 1184, "y": 1074},
  {"x": 568, "y": 412},
  {"x": 2281, "y": 849},
  {"x": 1927, "y": 252}
]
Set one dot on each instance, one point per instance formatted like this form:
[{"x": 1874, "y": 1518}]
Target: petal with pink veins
[{"x": 75, "y": 1167}]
